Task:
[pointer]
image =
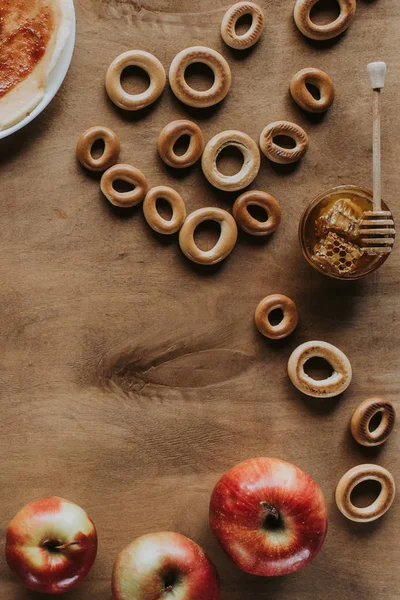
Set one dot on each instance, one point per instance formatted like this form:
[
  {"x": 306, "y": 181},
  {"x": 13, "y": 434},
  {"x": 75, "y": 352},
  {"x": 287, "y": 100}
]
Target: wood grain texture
[{"x": 131, "y": 379}]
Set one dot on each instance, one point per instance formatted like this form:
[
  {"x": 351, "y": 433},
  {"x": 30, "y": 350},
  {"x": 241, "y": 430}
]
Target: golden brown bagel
[
  {"x": 225, "y": 243},
  {"x": 171, "y": 134},
  {"x": 303, "y": 97},
  {"x": 362, "y": 417},
  {"x": 278, "y": 154},
  {"x": 147, "y": 62},
  {"x": 199, "y": 98},
  {"x": 252, "y": 35},
  {"x": 289, "y": 320},
  {"x": 251, "y": 160},
  {"x": 111, "y": 151},
  {"x": 250, "y": 224},
  {"x": 333, "y": 385},
  {"x": 354, "y": 477},
  {"x": 130, "y": 175},
  {"x": 153, "y": 217},
  {"x": 311, "y": 30}
]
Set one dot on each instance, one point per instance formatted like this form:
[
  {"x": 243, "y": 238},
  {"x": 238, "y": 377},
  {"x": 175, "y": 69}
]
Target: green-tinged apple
[
  {"x": 164, "y": 565},
  {"x": 269, "y": 516},
  {"x": 51, "y": 545}
]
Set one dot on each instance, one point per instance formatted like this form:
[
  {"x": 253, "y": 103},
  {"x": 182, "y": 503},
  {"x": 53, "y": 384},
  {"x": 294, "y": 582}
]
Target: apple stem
[
  {"x": 56, "y": 547},
  {"x": 270, "y": 509},
  {"x": 168, "y": 589},
  {"x": 64, "y": 546}
]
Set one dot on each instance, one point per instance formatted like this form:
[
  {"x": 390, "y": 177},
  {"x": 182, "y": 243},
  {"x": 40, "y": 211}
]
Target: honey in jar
[{"x": 329, "y": 233}]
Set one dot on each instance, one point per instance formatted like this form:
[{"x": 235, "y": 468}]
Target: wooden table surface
[{"x": 131, "y": 379}]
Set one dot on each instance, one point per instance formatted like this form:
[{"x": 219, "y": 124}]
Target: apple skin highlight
[
  {"x": 51, "y": 545},
  {"x": 163, "y": 565},
  {"x": 269, "y": 516}
]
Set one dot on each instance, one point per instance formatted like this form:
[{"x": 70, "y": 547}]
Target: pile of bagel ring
[
  {"x": 197, "y": 149},
  {"x": 341, "y": 375}
]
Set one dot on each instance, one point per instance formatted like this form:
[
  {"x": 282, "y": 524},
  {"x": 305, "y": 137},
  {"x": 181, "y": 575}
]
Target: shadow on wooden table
[
  {"x": 329, "y": 405},
  {"x": 118, "y": 212},
  {"x": 367, "y": 453},
  {"x": 134, "y": 116},
  {"x": 24, "y": 594},
  {"x": 199, "y": 114},
  {"x": 363, "y": 530},
  {"x": 326, "y": 297},
  {"x": 20, "y": 141}
]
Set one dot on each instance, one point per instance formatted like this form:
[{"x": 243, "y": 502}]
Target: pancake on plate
[{"x": 32, "y": 36}]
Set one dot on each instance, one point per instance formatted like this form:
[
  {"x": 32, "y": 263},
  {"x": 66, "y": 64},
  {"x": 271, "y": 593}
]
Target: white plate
[{"x": 54, "y": 81}]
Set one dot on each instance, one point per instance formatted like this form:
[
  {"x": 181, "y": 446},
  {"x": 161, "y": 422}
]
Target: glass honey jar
[{"x": 328, "y": 233}]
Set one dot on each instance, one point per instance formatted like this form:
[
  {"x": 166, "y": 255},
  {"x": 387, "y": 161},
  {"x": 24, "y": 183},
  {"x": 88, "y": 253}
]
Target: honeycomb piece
[
  {"x": 342, "y": 218},
  {"x": 337, "y": 254}
]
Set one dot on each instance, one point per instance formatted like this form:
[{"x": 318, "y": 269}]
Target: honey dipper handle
[
  {"x": 376, "y": 149},
  {"x": 377, "y": 72}
]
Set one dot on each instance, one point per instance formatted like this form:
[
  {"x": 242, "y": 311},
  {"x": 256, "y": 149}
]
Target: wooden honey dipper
[{"x": 377, "y": 224}]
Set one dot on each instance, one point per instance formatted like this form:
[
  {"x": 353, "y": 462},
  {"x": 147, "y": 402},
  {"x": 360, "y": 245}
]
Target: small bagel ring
[
  {"x": 130, "y": 175},
  {"x": 289, "y": 320},
  {"x": 247, "y": 222},
  {"x": 171, "y": 134},
  {"x": 147, "y": 62},
  {"x": 362, "y": 417},
  {"x": 111, "y": 150},
  {"x": 277, "y": 154},
  {"x": 337, "y": 383},
  {"x": 302, "y": 96},
  {"x": 251, "y": 160},
  {"x": 252, "y": 35},
  {"x": 153, "y": 217},
  {"x": 357, "y": 475},
  {"x": 218, "y": 65},
  {"x": 311, "y": 30},
  {"x": 224, "y": 245}
]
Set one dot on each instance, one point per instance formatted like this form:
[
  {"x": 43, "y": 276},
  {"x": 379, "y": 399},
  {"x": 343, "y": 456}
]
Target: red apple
[
  {"x": 269, "y": 516},
  {"x": 51, "y": 545},
  {"x": 164, "y": 565}
]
